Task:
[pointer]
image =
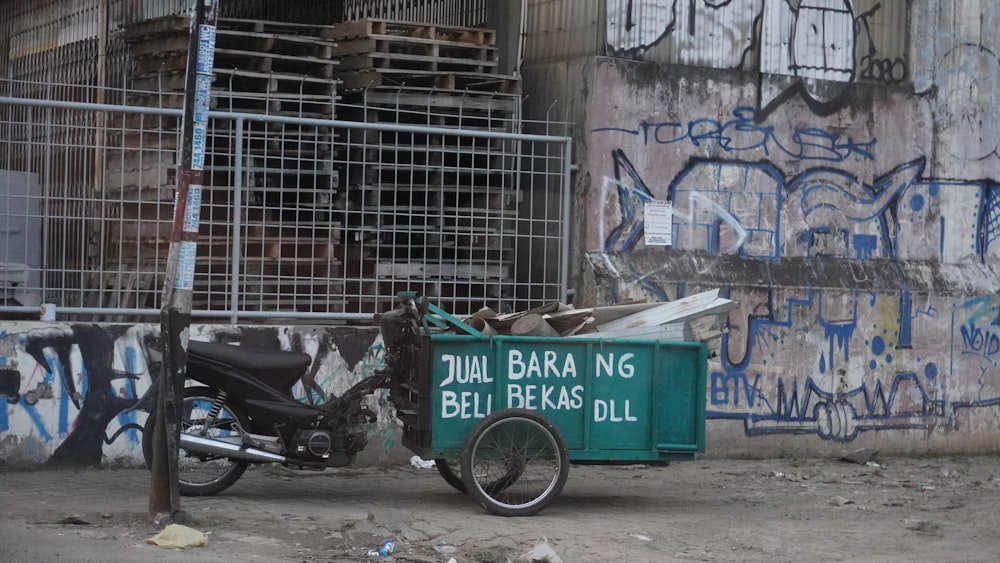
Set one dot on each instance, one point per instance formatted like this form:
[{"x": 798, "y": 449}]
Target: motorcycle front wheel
[{"x": 201, "y": 474}]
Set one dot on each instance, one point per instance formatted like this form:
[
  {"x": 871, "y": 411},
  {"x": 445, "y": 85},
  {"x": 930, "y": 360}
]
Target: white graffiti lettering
[
  {"x": 544, "y": 397},
  {"x": 623, "y": 368},
  {"x": 466, "y": 370},
  {"x": 542, "y": 367},
  {"x": 465, "y": 405},
  {"x": 605, "y": 411}
]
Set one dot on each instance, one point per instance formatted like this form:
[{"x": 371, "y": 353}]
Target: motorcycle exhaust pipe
[{"x": 226, "y": 449}]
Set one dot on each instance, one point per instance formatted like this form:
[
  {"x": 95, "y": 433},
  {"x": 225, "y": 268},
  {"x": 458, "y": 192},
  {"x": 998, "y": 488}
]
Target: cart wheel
[
  {"x": 451, "y": 471},
  {"x": 515, "y": 463}
]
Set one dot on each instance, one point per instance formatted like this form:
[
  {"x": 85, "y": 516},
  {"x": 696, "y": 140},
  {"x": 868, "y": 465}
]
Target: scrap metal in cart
[{"x": 505, "y": 416}]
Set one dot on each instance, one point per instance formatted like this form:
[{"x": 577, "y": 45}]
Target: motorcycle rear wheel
[{"x": 203, "y": 474}]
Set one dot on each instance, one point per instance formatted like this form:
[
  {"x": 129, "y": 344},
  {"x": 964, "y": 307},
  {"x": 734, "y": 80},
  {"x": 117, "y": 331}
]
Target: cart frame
[{"x": 603, "y": 401}]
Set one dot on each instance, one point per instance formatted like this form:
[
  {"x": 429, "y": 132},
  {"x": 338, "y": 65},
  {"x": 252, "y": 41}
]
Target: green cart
[{"x": 505, "y": 416}]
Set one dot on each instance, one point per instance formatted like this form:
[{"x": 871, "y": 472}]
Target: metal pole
[
  {"x": 567, "y": 209},
  {"x": 175, "y": 313},
  {"x": 237, "y": 223}
]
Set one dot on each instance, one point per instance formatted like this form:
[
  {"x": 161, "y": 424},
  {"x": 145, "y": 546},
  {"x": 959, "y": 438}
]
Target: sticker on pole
[
  {"x": 192, "y": 210},
  {"x": 185, "y": 265},
  {"x": 202, "y": 97},
  {"x": 658, "y": 217},
  {"x": 199, "y": 145},
  {"x": 206, "y": 49}
]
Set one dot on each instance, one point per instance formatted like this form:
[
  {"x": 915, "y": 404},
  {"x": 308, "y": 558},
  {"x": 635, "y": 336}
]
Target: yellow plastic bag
[{"x": 176, "y": 535}]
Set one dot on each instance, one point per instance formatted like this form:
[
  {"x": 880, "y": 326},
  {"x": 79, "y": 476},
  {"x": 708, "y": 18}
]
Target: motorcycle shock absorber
[{"x": 213, "y": 413}]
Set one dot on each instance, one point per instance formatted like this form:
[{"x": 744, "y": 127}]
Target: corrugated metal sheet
[
  {"x": 842, "y": 40},
  {"x": 51, "y": 42},
  {"x": 710, "y": 34},
  {"x": 465, "y": 13},
  {"x": 864, "y": 40},
  {"x": 563, "y": 29},
  {"x": 816, "y": 41}
]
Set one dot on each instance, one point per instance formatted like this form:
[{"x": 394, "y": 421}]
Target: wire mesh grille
[
  {"x": 300, "y": 217},
  {"x": 424, "y": 182}
]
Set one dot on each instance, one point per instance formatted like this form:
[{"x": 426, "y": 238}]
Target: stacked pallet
[
  {"x": 290, "y": 235},
  {"x": 439, "y": 208}
]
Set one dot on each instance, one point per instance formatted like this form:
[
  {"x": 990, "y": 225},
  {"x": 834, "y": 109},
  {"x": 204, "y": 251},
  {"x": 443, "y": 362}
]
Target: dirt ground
[{"x": 891, "y": 509}]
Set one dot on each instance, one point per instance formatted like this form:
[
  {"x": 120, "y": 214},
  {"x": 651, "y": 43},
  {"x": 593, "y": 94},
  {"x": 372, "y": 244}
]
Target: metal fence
[{"x": 301, "y": 219}]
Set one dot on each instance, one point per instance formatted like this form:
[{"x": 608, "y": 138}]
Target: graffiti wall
[
  {"x": 792, "y": 43},
  {"x": 865, "y": 264},
  {"x": 78, "y": 394}
]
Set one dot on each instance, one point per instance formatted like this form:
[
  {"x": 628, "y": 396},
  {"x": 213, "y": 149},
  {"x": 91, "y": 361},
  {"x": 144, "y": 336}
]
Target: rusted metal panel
[{"x": 563, "y": 29}]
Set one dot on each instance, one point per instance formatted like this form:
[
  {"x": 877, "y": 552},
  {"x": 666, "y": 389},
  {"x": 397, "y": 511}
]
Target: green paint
[{"x": 610, "y": 399}]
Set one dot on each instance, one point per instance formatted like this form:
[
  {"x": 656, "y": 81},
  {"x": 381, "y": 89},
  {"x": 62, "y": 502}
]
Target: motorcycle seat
[{"x": 267, "y": 364}]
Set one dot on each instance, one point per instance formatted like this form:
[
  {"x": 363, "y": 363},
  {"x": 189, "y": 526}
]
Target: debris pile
[{"x": 696, "y": 318}]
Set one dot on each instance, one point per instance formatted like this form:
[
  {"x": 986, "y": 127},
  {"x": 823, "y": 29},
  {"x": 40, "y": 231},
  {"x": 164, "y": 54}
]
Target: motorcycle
[{"x": 238, "y": 409}]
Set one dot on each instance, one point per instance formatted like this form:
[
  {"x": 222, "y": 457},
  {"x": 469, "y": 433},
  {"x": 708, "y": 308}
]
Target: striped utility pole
[{"x": 175, "y": 312}]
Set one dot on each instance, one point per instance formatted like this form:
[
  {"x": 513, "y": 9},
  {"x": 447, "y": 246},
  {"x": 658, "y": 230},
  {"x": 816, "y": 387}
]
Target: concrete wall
[
  {"x": 860, "y": 233},
  {"x": 72, "y": 390},
  {"x": 857, "y": 223}
]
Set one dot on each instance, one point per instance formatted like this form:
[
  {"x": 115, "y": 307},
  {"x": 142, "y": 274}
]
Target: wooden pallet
[
  {"x": 265, "y": 102},
  {"x": 279, "y": 44},
  {"x": 442, "y": 271},
  {"x": 367, "y": 27},
  {"x": 369, "y": 138},
  {"x": 435, "y": 100},
  {"x": 472, "y": 164},
  {"x": 129, "y": 285},
  {"x": 168, "y": 26},
  {"x": 414, "y": 177},
  {"x": 400, "y": 73},
  {"x": 401, "y": 63},
  {"x": 282, "y": 28},
  {"x": 478, "y": 82},
  {"x": 466, "y": 120},
  {"x": 372, "y": 195},
  {"x": 285, "y": 105},
  {"x": 275, "y": 62}
]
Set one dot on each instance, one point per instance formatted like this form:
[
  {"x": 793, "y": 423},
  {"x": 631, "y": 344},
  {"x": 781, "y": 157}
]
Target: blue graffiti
[
  {"x": 129, "y": 419},
  {"x": 991, "y": 218},
  {"x": 37, "y": 420},
  {"x": 821, "y": 211},
  {"x": 981, "y": 342},
  {"x": 55, "y": 367},
  {"x": 632, "y": 194},
  {"x": 820, "y": 403},
  {"x": 905, "y": 320},
  {"x": 742, "y": 134},
  {"x": 837, "y": 416}
]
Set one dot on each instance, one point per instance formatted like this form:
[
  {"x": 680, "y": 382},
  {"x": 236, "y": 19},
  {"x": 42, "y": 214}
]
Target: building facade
[{"x": 831, "y": 165}]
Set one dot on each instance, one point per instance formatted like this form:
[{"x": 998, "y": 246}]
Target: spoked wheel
[
  {"x": 451, "y": 471},
  {"x": 515, "y": 463},
  {"x": 201, "y": 474}
]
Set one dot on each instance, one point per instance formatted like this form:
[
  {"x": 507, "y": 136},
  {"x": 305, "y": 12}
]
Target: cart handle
[{"x": 419, "y": 302}]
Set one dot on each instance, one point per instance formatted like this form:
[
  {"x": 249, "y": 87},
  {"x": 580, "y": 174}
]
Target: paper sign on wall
[{"x": 658, "y": 217}]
